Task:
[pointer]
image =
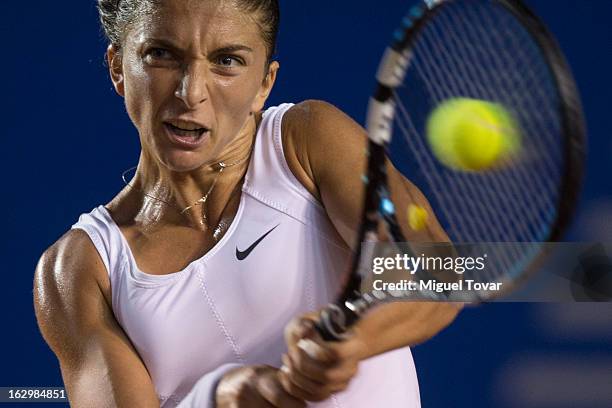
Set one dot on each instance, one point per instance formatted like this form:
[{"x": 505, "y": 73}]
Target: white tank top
[{"x": 280, "y": 258}]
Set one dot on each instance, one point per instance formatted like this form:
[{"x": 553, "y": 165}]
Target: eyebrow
[
  {"x": 234, "y": 48},
  {"x": 162, "y": 42},
  {"x": 225, "y": 49}
]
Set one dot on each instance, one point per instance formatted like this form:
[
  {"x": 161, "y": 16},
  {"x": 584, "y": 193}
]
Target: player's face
[{"x": 192, "y": 74}]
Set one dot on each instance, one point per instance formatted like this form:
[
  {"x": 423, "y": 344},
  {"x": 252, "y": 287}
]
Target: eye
[
  {"x": 229, "y": 61},
  {"x": 158, "y": 54}
]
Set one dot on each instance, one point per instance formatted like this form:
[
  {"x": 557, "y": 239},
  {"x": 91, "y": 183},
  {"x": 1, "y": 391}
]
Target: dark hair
[{"x": 116, "y": 16}]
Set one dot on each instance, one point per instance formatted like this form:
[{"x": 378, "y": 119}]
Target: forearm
[{"x": 400, "y": 324}]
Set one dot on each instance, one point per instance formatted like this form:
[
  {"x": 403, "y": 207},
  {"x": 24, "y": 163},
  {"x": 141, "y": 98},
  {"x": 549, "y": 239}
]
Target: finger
[
  {"x": 307, "y": 366},
  {"x": 317, "y": 351},
  {"x": 300, "y": 386},
  {"x": 307, "y": 389},
  {"x": 294, "y": 390},
  {"x": 352, "y": 347},
  {"x": 321, "y": 372},
  {"x": 273, "y": 392}
]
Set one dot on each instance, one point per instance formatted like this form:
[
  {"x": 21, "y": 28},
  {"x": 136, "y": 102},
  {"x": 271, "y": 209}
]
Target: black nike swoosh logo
[{"x": 241, "y": 255}]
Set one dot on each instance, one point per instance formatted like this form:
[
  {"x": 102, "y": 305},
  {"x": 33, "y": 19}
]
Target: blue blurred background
[{"x": 68, "y": 140}]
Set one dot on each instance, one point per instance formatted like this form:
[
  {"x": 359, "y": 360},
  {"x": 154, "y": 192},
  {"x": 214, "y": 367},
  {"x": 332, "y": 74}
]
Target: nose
[{"x": 192, "y": 88}]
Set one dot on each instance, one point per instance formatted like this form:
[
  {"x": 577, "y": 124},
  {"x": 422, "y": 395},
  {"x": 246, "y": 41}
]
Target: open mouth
[
  {"x": 197, "y": 132},
  {"x": 186, "y": 134}
]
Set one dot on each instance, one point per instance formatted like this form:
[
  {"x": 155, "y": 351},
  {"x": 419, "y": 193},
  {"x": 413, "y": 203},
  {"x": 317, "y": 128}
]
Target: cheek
[
  {"x": 145, "y": 93},
  {"x": 233, "y": 99},
  {"x": 134, "y": 88}
]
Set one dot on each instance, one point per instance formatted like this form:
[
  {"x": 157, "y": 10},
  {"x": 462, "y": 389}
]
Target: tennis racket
[{"x": 493, "y": 51}]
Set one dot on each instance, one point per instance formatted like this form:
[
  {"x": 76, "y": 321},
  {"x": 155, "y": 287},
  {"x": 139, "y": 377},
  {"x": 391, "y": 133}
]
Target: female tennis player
[{"x": 195, "y": 285}]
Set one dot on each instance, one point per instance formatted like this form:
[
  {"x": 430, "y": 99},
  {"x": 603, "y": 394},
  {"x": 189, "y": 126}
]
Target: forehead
[{"x": 188, "y": 20}]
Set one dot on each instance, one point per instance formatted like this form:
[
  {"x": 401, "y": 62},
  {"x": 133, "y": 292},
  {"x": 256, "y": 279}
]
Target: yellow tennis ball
[
  {"x": 417, "y": 217},
  {"x": 471, "y": 134}
]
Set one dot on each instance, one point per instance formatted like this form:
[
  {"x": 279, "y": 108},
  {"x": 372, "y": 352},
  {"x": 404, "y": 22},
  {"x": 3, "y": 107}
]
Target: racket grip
[
  {"x": 335, "y": 321},
  {"x": 332, "y": 323}
]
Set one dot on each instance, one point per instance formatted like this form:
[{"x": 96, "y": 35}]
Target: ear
[
  {"x": 115, "y": 67},
  {"x": 266, "y": 87}
]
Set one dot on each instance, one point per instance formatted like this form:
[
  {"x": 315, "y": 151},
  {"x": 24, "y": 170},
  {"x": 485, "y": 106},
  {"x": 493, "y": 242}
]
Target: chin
[{"x": 182, "y": 161}]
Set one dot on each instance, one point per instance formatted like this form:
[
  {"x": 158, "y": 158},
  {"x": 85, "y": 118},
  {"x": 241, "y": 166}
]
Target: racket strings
[
  {"x": 475, "y": 88},
  {"x": 504, "y": 258},
  {"x": 507, "y": 71},
  {"x": 500, "y": 68},
  {"x": 515, "y": 103},
  {"x": 407, "y": 127},
  {"x": 540, "y": 116},
  {"x": 470, "y": 234},
  {"x": 487, "y": 204},
  {"x": 480, "y": 51},
  {"x": 466, "y": 192},
  {"x": 499, "y": 81},
  {"x": 521, "y": 44}
]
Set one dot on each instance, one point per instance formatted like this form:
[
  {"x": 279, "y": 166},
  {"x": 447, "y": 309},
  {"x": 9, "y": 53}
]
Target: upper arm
[
  {"x": 326, "y": 150},
  {"x": 99, "y": 365}
]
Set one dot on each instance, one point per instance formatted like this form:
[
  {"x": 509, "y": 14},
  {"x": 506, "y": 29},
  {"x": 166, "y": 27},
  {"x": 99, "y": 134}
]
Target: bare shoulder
[
  {"x": 316, "y": 118},
  {"x": 315, "y": 132},
  {"x": 69, "y": 275},
  {"x": 71, "y": 259},
  {"x": 307, "y": 110},
  {"x": 99, "y": 365}
]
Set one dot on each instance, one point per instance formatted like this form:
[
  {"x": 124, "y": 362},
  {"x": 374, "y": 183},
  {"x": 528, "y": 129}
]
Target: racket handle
[
  {"x": 335, "y": 320},
  {"x": 332, "y": 323}
]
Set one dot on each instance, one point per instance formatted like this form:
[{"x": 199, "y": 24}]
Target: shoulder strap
[
  {"x": 105, "y": 236},
  {"x": 269, "y": 178}
]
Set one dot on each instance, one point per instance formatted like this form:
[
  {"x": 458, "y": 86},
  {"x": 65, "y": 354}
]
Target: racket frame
[{"x": 337, "y": 318}]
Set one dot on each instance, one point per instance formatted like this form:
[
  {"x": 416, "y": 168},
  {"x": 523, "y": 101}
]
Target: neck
[{"x": 198, "y": 197}]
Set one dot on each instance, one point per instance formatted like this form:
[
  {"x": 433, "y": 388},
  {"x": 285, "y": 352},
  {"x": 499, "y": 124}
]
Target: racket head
[{"x": 495, "y": 51}]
